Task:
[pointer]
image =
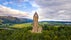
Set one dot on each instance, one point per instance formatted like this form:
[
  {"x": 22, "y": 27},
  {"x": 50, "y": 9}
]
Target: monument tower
[{"x": 36, "y": 28}]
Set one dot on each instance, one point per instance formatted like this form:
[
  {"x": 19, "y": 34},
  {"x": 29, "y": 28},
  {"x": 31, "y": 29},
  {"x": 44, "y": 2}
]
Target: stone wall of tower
[
  {"x": 36, "y": 28},
  {"x": 35, "y": 23}
]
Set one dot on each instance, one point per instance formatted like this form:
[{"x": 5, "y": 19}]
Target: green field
[
  {"x": 22, "y": 32},
  {"x": 21, "y": 25}
]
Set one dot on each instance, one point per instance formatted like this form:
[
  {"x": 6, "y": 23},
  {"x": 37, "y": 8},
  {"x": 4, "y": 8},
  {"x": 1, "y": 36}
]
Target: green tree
[{"x": 1, "y": 21}]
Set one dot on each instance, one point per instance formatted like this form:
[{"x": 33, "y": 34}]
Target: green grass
[
  {"x": 49, "y": 32},
  {"x": 21, "y": 25}
]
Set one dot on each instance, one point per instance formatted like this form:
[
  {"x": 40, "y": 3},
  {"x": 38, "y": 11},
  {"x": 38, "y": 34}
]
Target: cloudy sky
[{"x": 47, "y": 9}]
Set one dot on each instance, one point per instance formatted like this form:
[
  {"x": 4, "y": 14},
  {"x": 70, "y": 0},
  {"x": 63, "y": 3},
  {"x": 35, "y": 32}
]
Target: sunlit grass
[{"x": 21, "y": 25}]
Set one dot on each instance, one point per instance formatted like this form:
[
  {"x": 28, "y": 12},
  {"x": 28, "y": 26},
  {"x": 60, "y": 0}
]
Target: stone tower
[{"x": 36, "y": 28}]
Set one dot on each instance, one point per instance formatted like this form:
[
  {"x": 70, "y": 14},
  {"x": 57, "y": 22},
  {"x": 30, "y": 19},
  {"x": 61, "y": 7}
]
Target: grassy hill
[{"x": 14, "y": 20}]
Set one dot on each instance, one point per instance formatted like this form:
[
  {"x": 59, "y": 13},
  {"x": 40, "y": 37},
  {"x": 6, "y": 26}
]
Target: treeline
[{"x": 50, "y": 32}]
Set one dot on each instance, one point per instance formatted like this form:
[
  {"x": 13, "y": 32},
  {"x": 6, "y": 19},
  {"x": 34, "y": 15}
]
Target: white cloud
[
  {"x": 54, "y": 9},
  {"x": 34, "y": 4},
  {"x": 10, "y": 2},
  {"x": 6, "y": 11},
  {"x": 6, "y": 3},
  {"x": 47, "y": 9},
  {"x": 19, "y": 1}
]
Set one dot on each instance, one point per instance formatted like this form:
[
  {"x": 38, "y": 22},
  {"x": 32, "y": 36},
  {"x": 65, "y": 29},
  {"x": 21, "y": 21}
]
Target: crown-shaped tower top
[{"x": 36, "y": 14}]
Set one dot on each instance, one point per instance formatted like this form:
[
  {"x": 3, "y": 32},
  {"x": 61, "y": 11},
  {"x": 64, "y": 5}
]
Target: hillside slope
[{"x": 10, "y": 19}]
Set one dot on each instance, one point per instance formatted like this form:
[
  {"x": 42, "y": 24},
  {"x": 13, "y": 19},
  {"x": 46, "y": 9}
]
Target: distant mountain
[
  {"x": 10, "y": 19},
  {"x": 57, "y": 22}
]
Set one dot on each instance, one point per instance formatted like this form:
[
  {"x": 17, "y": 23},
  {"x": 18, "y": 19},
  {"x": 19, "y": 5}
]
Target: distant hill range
[
  {"x": 57, "y": 22},
  {"x": 10, "y": 19}
]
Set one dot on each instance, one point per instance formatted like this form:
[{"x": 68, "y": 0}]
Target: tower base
[{"x": 39, "y": 30}]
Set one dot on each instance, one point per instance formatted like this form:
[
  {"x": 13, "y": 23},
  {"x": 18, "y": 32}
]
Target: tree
[{"x": 1, "y": 21}]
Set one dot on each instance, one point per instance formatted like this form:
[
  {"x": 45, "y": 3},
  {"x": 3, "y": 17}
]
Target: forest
[{"x": 23, "y": 32}]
